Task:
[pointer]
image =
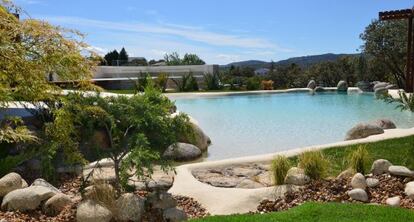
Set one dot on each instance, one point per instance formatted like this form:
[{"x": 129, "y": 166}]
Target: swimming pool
[{"x": 243, "y": 125}]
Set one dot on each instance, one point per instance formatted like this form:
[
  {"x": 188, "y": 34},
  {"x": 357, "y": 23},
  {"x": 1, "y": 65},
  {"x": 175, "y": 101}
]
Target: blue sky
[{"x": 219, "y": 31}]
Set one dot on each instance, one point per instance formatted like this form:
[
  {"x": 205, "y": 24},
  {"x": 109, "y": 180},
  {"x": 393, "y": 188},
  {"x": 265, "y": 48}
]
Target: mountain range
[{"x": 303, "y": 61}]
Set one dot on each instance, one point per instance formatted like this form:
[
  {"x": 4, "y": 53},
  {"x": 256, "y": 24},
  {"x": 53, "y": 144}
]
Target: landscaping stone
[
  {"x": 224, "y": 181},
  {"x": 409, "y": 190},
  {"x": 363, "y": 130},
  {"x": 182, "y": 152},
  {"x": 200, "y": 140},
  {"x": 265, "y": 179},
  {"x": 56, "y": 204},
  {"x": 249, "y": 184},
  {"x": 311, "y": 84},
  {"x": 385, "y": 124},
  {"x": 380, "y": 166},
  {"x": 174, "y": 215},
  {"x": 358, "y": 194},
  {"x": 400, "y": 171},
  {"x": 44, "y": 183},
  {"x": 27, "y": 198},
  {"x": 90, "y": 211},
  {"x": 380, "y": 92},
  {"x": 379, "y": 85},
  {"x": 393, "y": 201},
  {"x": 296, "y": 176},
  {"x": 342, "y": 86},
  {"x": 161, "y": 200},
  {"x": 24, "y": 183},
  {"x": 365, "y": 86},
  {"x": 245, "y": 171},
  {"x": 10, "y": 182},
  {"x": 358, "y": 181},
  {"x": 346, "y": 174},
  {"x": 129, "y": 207},
  {"x": 372, "y": 182}
]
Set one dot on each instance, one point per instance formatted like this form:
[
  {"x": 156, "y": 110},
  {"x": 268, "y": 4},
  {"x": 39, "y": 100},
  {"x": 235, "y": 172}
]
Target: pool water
[{"x": 243, "y": 125}]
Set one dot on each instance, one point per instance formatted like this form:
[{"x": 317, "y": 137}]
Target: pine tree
[{"x": 123, "y": 56}]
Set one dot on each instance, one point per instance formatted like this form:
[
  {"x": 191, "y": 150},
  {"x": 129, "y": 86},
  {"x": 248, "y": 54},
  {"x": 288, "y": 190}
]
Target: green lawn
[
  {"x": 399, "y": 151},
  {"x": 328, "y": 212}
]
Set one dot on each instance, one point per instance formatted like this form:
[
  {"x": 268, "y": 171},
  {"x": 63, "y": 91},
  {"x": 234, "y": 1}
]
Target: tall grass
[
  {"x": 314, "y": 164},
  {"x": 279, "y": 169},
  {"x": 359, "y": 159}
]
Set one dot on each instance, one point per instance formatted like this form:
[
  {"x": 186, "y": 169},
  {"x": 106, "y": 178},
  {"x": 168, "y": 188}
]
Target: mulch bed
[
  {"x": 70, "y": 185},
  {"x": 335, "y": 190}
]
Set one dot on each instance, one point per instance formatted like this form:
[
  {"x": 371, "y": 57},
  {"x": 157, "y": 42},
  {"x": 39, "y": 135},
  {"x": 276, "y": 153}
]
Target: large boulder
[
  {"x": 28, "y": 198},
  {"x": 358, "y": 194},
  {"x": 174, "y": 215},
  {"x": 365, "y": 86},
  {"x": 379, "y": 85},
  {"x": 56, "y": 204},
  {"x": 296, "y": 176},
  {"x": 384, "y": 124},
  {"x": 400, "y": 171},
  {"x": 342, "y": 86},
  {"x": 198, "y": 139},
  {"x": 311, "y": 84},
  {"x": 182, "y": 152},
  {"x": 358, "y": 181},
  {"x": 10, "y": 182},
  {"x": 90, "y": 211},
  {"x": 44, "y": 183},
  {"x": 161, "y": 200},
  {"x": 363, "y": 130},
  {"x": 380, "y": 166},
  {"x": 129, "y": 207}
]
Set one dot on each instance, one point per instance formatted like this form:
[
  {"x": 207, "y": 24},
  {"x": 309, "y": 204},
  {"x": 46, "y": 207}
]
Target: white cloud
[
  {"x": 190, "y": 33},
  {"x": 98, "y": 50}
]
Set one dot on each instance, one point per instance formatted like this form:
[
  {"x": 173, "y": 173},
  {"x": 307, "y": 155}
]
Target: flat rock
[
  {"x": 249, "y": 184},
  {"x": 10, "y": 182},
  {"x": 90, "y": 211},
  {"x": 265, "y": 179},
  {"x": 363, "y": 130},
  {"x": 372, "y": 182},
  {"x": 380, "y": 166},
  {"x": 393, "y": 201},
  {"x": 358, "y": 181},
  {"x": 358, "y": 194},
  {"x": 400, "y": 171},
  {"x": 245, "y": 171},
  {"x": 296, "y": 176}
]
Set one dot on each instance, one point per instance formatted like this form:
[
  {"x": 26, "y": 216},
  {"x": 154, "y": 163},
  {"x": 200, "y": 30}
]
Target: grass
[
  {"x": 399, "y": 151},
  {"x": 323, "y": 212}
]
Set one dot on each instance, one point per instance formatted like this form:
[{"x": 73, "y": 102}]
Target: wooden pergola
[{"x": 404, "y": 14}]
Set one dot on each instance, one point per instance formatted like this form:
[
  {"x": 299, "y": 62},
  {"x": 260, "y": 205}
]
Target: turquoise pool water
[{"x": 245, "y": 125}]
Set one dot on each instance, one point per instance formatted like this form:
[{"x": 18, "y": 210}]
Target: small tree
[
  {"x": 138, "y": 128},
  {"x": 123, "y": 56}
]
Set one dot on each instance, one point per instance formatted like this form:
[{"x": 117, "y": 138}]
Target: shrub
[
  {"x": 359, "y": 159},
  {"x": 253, "y": 83},
  {"x": 161, "y": 81},
  {"x": 404, "y": 102},
  {"x": 279, "y": 168},
  {"x": 314, "y": 164},
  {"x": 187, "y": 83},
  {"x": 212, "y": 81},
  {"x": 143, "y": 79},
  {"x": 267, "y": 84}
]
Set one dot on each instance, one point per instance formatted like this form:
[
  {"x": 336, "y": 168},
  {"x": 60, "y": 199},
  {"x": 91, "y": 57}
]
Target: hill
[{"x": 303, "y": 61}]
